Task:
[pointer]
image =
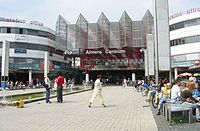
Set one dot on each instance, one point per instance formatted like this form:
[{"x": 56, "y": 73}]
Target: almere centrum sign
[{"x": 106, "y": 51}]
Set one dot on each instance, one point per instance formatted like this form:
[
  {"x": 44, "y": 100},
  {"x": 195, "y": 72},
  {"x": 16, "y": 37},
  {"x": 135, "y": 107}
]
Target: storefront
[{"x": 113, "y": 62}]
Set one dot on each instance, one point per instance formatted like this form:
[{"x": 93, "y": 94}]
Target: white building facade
[
  {"x": 28, "y": 43},
  {"x": 185, "y": 39}
]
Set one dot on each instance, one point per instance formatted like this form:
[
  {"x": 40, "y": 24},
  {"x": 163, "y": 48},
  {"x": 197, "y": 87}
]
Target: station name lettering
[
  {"x": 105, "y": 52},
  {"x": 21, "y": 21}
]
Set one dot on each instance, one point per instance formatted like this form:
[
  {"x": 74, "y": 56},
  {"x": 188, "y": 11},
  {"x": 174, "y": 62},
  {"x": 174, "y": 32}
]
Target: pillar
[
  {"x": 133, "y": 76},
  {"x": 161, "y": 35},
  {"x": 175, "y": 73},
  {"x": 146, "y": 68},
  {"x": 87, "y": 77},
  {"x": 46, "y": 63},
  {"x": 30, "y": 76},
  {"x": 5, "y": 64}
]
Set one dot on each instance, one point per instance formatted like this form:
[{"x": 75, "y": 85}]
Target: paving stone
[{"x": 124, "y": 112}]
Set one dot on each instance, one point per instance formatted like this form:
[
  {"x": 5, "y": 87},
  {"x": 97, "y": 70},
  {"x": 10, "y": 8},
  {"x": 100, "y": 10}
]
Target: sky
[{"x": 47, "y": 11}]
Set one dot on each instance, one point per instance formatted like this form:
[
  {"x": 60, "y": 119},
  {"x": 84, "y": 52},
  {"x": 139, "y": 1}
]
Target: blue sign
[
  {"x": 20, "y": 50},
  {"x": 24, "y": 66}
]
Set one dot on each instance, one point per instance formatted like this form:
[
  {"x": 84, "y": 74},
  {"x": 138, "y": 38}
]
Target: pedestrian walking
[
  {"x": 97, "y": 91},
  {"x": 124, "y": 83},
  {"x": 47, "y": 87},
  {"x": 60, "y": 82}
]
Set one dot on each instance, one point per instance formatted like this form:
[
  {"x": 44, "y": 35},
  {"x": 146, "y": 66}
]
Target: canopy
[
  {"x": 194, "y": 67},
  {"x": 196, "y": 74},
  {"x": 185, "y": 74}
]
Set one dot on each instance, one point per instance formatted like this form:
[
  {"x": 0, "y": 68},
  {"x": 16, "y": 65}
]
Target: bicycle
[{"x": 154, "y": 98}]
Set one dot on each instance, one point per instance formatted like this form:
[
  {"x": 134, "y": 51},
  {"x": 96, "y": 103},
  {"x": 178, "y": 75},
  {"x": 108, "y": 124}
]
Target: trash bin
[{"x": 20, "y": 104}]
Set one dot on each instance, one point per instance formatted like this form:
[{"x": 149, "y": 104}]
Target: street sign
[{"x": 68, "y": 52}]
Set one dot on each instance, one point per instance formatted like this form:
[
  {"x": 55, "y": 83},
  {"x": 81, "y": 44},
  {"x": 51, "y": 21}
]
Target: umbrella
[
  {"x": 194, "y": 67},
  {"x": 185, "y": 74},
  {"x": 196, "y": 74}
]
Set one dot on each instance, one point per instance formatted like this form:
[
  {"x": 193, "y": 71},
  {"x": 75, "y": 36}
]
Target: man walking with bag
[{"x": 97, "y": 92}]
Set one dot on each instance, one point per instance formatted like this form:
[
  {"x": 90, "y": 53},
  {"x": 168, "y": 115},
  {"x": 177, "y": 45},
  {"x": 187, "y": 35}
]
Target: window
[
  {"x": 42, "y": 33},
  {"x": 33, "y": 32},
  {"x": 3, "y": 30},
  {"x": 179, "y": 25},
  {"x": 191, "y": 22},
  {"x": 186, "y": 40},
  {"x": 8, "y": 30},
  {"x": 21, "y": 31},
  {"x": 187, "y": 23}
]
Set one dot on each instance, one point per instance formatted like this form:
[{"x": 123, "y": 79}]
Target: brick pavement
[{"x": 125, "y": 111}]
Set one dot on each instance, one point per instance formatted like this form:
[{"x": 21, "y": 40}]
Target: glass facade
[
  {"x": 61, "y": 33},
  {"x": 92, "y": 36},
  {"x": 125, "y": 26},
  {"x": 104, "y": 34},
  {"x": 114, "y": 35},
  {"x": 147, "y": 26},
  {"x": 103, "y": 31},
  {"x": 137, "y": 33},
  {"x": 81, "y": 32}
]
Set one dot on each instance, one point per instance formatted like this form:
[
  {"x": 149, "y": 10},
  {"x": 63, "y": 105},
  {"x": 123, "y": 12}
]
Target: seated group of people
[{"x": 188, "y": 96}]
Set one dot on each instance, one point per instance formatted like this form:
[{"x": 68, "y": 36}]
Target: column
[
  {"x": 133, "y": 76},
  {"x": 146, "y": 68},
  {"x": 150, "y": 51},
  {"x": 175, "y": 73},
  {"x": 46, "y": 63},
  {"x": 30, "y": 76},
  {"x": 162, "y": 42},
  {"x": 87, "y": 78},
  {"x": 5, "y": 64}
]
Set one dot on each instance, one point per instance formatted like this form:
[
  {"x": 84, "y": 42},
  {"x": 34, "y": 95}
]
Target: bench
[{"x": 168, "y": 109}]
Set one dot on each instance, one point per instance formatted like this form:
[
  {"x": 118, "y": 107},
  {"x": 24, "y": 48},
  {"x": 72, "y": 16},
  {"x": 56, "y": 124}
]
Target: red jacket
[{"x": 60, "y": 81}]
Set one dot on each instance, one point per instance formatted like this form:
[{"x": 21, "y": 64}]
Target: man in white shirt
[
  {"x": 175, "y": 92},
  {"x": 47, "y": 87},
  {"x": 192, "y": 78},
  {"x": 97, "y": 92}
]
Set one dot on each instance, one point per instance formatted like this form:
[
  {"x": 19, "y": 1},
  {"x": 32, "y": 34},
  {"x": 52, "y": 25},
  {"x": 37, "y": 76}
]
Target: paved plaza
[{"x": 125, "y": 111}]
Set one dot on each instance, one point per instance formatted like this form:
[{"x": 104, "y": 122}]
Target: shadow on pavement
[{"x": 107, "y": 106}]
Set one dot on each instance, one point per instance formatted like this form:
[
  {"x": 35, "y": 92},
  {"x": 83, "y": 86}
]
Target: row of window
[
  {"x": 14, "y": 30},
  {"x": 184, "y": 24},
  {"x": 123, "y": 61},
  {"x": 35, "y": 62},
  {"x": 185, "y": 40},
  {"x": 31, "y": 46}
]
